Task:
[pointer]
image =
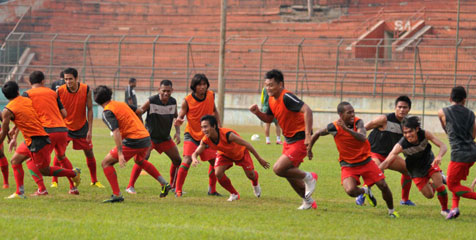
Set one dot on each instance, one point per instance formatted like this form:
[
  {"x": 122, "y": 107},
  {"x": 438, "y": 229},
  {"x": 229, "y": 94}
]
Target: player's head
[
  {"x": 71, "y": 77},
  {"x": 209, "y": 125},
  {"x": 274, "y": 82},
  {"x": 102, "y": 94},
  {"x": 199, "y": 83},
  {"x": 132, "y": 82},
  {"x": 403, "y": 104},
  {"x": 165, "y": 90},
  {"x": 458, "y": 94},
  {"x": 36, "y": 77},
  {"x": 346, "y": 112},
  {"x": 10, "y": 90},
  {"x": 62, "y": 75},
  {"x": 411, "y": 126}
]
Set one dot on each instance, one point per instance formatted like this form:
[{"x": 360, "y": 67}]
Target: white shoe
[
  {"x": 445, "y": 213},
  {"x": 308, "y": 205},
  {"x": 233, "y": 197},
  {"x": 257, "y": 190},
  {"x": 131, "y": 190},
  {"x": 310, "y": 185}
]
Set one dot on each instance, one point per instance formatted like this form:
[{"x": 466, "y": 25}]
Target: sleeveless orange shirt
[
  {"x": 130, "y": 125},
  {"x": 75, "y": 105},
  {"x": 196, "y": 110},
  {"x": 46, "y": 106},
  {"x": 231, "y": 150},
  {"x": 289, "y": 121},
  {"x": 350, "y": 149}
]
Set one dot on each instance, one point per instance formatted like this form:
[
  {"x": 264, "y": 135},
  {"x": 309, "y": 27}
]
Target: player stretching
[
  {"x": 231, "y": 148},
  {"x": 420, "y": 161},
  {"x": 76, "y": 98},
  {"x": 161, "y": 111},
  {"x": 199, "y": 103},
  {"x": 295, "y": 119},
  {"x": 50, "y": 112},
  {"x": 37, "y": 143},
  {"x": 387, "y": 131},
  {"x": 354, "y": 157},
  {"x": 458, "y": 122},
  {"x": 131, "y": 139}
]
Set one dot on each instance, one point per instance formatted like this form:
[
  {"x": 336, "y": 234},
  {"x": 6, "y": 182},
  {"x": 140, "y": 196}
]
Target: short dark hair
[
  {"x": 36, "y": 77},
  {"x": 404, "y": 98},
  {"x": 132, "y": 80},
  {"x": 72, "y": 71},
  {"x": 197, "y": 79},
  {"x": 458, "y": 94},
  {"x": 341, "y": 107},
  {"x": 102, "y": 94},
  {"x": 10, "y": 90},
  {"x": 211, "y": 119},
  {"x": 62, "y": 74},
  {"x": 166, "y": 82},
  {"x": 276, "y": 75},
  {"x": 412, "y": 122}
]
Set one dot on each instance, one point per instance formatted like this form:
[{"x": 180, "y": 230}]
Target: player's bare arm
[
  {"x": 217, "y": 115},
  {"x": 183, "y": 111},
  {"x": 306, "y": 110},
  {"x": 380, "y": 122},
  {"x": 89, "y": 106},
  {"x": 314, "y": 138},
  {"x": 118, "y": 141},
  {"x": 397, "y": 149},
  {"x": 142, "y": 109},
  {"x": 237, "y": 139},
  {"x": 177, "y": 130},
  {"x": 7, "y": 116},
  {"x": 197, "y": 152},
  {"x": 359, "y": 135},
  {"x": 262, "y": 116},
  {"x": 440, "y": 145}
]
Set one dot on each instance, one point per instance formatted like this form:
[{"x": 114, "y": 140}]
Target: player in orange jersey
[
  {"x": 232, "y": 149},
  {"x": 354, "y": 157},
  {"x": 37, "y": 143},
  {"x": 76, "y": 99},
  {"x": 131, "y": 138},
  {"x": 295, "y": 119}
]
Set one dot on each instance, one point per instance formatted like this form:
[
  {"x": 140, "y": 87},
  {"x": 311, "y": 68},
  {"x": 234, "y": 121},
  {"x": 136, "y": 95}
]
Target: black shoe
[
  {"x": 114, "y": 199},
  {"x": 165, "y": 190},
  {"x": 216, "y": 194}
]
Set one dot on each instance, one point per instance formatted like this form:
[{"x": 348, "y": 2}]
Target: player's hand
[
  {"x": 254, "y": 108},
  {"x": 382, "y": 166},
  {"x": 89, "y": 136},
  {"x": 177, "y": 138},
  {"x": 473, "y": 184},
  {"x": 12, "y": 145},
  {"x": 195, "y": 162},
  {"x": 178, "y": 122},
  {"x": 437, "y": 161},
  {"x": 342, "y": 124},
  {"x": 263, "y": 163},
  {"x": 122, "y": 160}
]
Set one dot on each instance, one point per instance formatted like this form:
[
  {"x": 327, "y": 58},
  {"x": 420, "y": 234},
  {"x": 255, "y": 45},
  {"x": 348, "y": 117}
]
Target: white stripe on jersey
[
  {"x": 291, "y": 97},
  {"x": 105, "y": 120},
  {"x": 162, "y": 110}
]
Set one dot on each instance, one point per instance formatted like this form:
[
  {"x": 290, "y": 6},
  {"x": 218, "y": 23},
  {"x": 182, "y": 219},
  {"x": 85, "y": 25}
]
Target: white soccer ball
[{"x": 255, "y": 137}]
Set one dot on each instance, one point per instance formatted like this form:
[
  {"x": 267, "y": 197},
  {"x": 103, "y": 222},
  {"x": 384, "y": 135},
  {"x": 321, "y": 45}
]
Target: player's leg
[
  {"x": 387, "y": 196},
  {"x": 278, "y": 132},
  {"x": 91, "y": 162},
  {"x": 350, "y": 187},
  {"x": 150, "y": 169},
  {"x": 37, "y": 177},
  {"x": 58, "y": 140},
  {"x": 212, "y": 178},
  {"x": 188, "y": 149},
  {"x": 54, "y": 180},
  {"x": 458, "y": 171},
  {"x": 111, "y": 176},
  {"x": 174, "y": 156},
  {"x": 225, "y": 182},
  {"x": 405, "y": 180},
  {"x": 266, "y": 132},
  {"x": 4, "y": 167},
  {"x": 16, "y": 161},
  {"x": 135, "y": 173}
]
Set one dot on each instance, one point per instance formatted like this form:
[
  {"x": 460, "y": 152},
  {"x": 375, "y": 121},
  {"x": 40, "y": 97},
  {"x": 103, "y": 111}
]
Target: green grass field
[{"x": 198, "y": 216}]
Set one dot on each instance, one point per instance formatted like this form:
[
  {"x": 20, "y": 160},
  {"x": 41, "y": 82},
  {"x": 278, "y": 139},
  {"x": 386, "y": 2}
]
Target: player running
[{"x": 232, "y": 149}]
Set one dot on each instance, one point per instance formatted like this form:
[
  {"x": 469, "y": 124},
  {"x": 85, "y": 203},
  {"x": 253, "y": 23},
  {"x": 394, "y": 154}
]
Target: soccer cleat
[
  {"x": 268, "y": 142},
  {"x": 165, "y": 190},
  {"x": 454, "y": 213},
  {"x": 257, "y": 190},
  {"x": 178, "y": 194},
  {"x": 407, "y": 203},
  {"x": 15, "y": 195},
  {"x": 131, "y": 190},
  {"x": 54, "y": 185},
  {"x": 216, "y": 194},
  {"x": 279, "y": 142},
  {"x": 370, "y": 197},
  {"x": 310, "y": 185},
  {"x": 39, "y": 193},
  {"x": 5, "y": 186},
  {"x": 73, "y": 191},
  {"x": 394, "y": 215},
  {"x": 233, "y": 197},
  {"x": 77, "y": 179},
  {"x": 114, "y": 199},
  {"x": 97, "y": 184},
  {"x": 445, "y": 213},
  {"x": 307, "y": 205},
  {"x": 360, "y": 200}
]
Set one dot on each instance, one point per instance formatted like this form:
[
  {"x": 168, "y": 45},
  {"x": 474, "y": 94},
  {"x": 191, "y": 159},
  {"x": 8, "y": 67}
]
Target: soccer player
[
  {"x": 58, "y": 83},
  {"x": 459, "y": 124},
  {"x": 161, "y": 111},
  {"x": 387, "y": 131},
  {"x": 131, "y": 139},
  {"x": 295, "y": 119},
  {"x": 4, "y": 167},
  {"x": 354, "y": 158},
  {"x": 199, "y": 103},
  {"x": 37, "y": 143},
  {"x": 420, "y": 161},
  {"x": 130, "y": 94},
  {"x": 50, "y": 112},
  {"x": 267, "y": 126},
  {"x": 76, "y": 99},
  {"x": 231, "y": 149}
]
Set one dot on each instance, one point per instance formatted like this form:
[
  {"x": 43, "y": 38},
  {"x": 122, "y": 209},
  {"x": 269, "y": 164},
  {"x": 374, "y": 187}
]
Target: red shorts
[
  {"x": 138, "y": 153},
  {"x": 246, "y": 162},
  {"x": 81, "y": 143},
  {"x": 380, "y": 157},
  {"x": 421, "y": 182},
  {"x": 189, "y": 147},
  {"x": 41, "y": 158},
  {"x": 457, "y": 171},
  {"x": 163, "y": 146},
  {"x": 295, "y": 151},
  {"x": 59, "y": 142},
  {"x": 369, "y": 172}
]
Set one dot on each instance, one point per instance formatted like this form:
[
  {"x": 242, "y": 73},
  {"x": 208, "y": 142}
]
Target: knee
[
  {"x": 278, "y": 170},
  {"x": 352, "y": 191},
  {"x": 45, "y": 171},
  {"x": 177, "y": 161},
  {"x": 382, "y": 185},
  {"x": 219, "y": 175},
  {"x": 250, "y": 175}
]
